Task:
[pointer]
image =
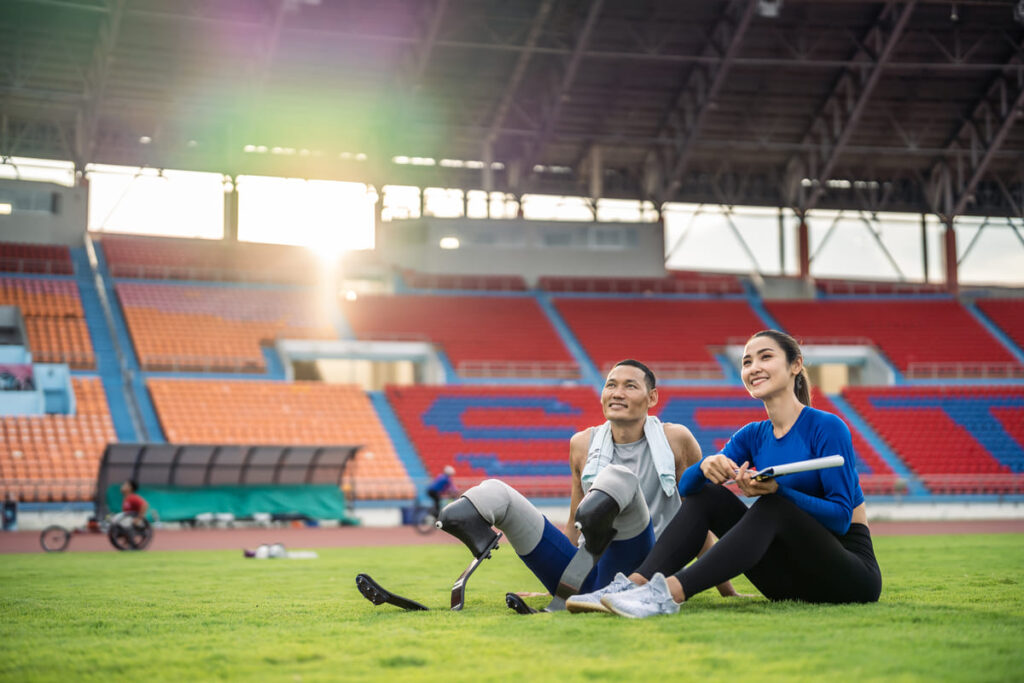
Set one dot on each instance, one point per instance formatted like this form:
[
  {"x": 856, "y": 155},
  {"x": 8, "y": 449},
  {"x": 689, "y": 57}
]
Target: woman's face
[{"x": 764, "y": 369}]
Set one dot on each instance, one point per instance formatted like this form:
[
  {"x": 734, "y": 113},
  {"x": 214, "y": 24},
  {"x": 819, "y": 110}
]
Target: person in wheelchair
[
  {"x": 134, "y": 504},
  {"x": 132, "y": 531},
  {"x": 442, "y": 486}
]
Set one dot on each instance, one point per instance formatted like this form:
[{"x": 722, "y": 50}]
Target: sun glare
[{"x": 328, "y": 217}]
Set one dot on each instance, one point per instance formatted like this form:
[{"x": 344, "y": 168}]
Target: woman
[{"x": 805, "y": 538}]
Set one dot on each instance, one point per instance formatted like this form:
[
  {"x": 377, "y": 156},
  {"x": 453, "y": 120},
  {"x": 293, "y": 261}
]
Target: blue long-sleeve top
[
  {"x": 828, "y": 495},
  {"x": 442, "y": 484}
]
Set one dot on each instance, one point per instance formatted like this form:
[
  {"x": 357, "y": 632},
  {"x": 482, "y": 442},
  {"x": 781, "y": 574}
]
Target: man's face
[{"x": 625, "y": 396}]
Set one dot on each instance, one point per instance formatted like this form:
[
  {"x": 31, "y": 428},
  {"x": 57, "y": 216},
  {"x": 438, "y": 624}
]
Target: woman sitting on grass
[{"x": 805, "y": 539}]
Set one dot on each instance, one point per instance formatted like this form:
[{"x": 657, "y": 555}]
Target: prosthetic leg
[
  {"x": 595, "y": 518},
  {"x": 461, "y": 520},
  {"x": 378, "y": 595}
]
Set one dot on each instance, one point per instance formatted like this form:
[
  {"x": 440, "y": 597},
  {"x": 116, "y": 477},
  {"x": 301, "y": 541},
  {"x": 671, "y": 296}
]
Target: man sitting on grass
[{"x": 624, "y": 492}]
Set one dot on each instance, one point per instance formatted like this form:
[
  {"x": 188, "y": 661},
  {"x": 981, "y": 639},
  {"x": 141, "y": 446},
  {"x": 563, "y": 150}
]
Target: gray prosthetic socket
[
  {"x": 460, "y": 519},
  {"x": 595, "y": 518},
  {"x": 624, "y": 488},
  {"x": 507, "y": 509}
]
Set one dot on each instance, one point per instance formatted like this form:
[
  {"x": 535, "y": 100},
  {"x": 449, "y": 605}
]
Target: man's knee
[
  {"x": 623, "y": 486},
  {"x": 595, "y": 518},
  {"x": 504, "y": 507}
]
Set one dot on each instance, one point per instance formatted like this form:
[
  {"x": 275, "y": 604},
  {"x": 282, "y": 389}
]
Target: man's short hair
[
  {"x": 134, "y": 485},
  {"x": 649, "y": 378}
]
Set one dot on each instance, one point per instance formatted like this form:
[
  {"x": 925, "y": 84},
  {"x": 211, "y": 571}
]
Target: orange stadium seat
[
  {"x": 218, "y": 328},
  {"x": 198, "y": 259},
  {"x": 56, "y": 457},
  {"x": 198, "y": 411},
  {"x": 54, "y": 319}
]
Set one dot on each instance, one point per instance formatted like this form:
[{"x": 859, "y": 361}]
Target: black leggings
[{"x": 786, "y": 553}]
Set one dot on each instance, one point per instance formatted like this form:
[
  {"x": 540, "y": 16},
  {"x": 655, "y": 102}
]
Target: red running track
[{"x": 347, "y": 537}]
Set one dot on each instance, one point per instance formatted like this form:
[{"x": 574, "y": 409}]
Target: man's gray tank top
[{"x": 637, "y": 458}]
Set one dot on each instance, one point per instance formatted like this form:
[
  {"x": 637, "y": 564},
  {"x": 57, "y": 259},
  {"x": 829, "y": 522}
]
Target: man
[
  {"x": 624, "y": 492},
  {"x": 133, "y": 504},
  {"x": 441, "y": 486}
]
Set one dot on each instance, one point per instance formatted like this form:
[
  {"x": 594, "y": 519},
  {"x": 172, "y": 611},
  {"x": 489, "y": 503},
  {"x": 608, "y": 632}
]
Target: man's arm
[
  {"x": 685, "y": 448},
  {"x": 578, "y": 445},
  {"x": 143, "y": 509}
]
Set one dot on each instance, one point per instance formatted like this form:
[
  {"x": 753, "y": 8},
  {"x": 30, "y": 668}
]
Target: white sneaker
[
  {"x": 591, "y": 602},
  {"x": 652, "y": 598}
]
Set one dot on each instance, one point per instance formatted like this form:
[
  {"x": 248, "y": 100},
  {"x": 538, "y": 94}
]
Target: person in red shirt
[{"x": 133, "y": 504}]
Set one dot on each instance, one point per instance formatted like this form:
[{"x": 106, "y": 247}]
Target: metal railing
[
  {"x": 965, "y": 371},
  {"x": 17, "y": 264},
  {"x": 681, "y": 370},
  {"x": 518, "y": 370}
]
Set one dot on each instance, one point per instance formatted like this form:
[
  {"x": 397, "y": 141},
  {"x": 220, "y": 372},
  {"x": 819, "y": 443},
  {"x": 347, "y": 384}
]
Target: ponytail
[{"x": 802, "y": 387}]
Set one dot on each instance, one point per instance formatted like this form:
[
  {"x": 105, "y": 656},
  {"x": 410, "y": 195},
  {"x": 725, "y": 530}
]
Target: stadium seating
[
  {"x": 932, "y": 338},
  {"x": 714, "y": 414},
  {"x": 875, "y": 287},
  {"x": 48, "y": 259},
  {"x": 679, "y": 282},
  {"x": 53, "y": 458},
  {"x": 675, "y": 337},
  {"x": 195, "y": 327},
  {"x": 957, "y": 439},
  {"x": 501, "y": 336},
  {"x": 519, "y": 434},
  {"x": 201, "y": 411},
  {"x": 1008, "y": 314},
  {"x": 130, "y": 256},
  {"x": 697, "y": 282},
  {"x": 54, "y": 320},
  {"x": 494, "y": 283}
]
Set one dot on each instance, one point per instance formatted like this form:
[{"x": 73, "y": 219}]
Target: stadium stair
[
  {"x": 403, "y": 446},
  {"x": 107, "y": 363},
  {"x": 143, "y": 404},
  {"x": 995, "y": 331},
  {"x": 757, "y": 304},
  {"x": 588, "y": 371},
  {"x": 846, "y": 411}
]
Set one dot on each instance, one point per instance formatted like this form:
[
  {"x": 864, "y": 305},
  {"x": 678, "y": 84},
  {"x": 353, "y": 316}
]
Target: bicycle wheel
[
  {"x": 54, "y": 538},
  {"x": 425, "y": 521}
]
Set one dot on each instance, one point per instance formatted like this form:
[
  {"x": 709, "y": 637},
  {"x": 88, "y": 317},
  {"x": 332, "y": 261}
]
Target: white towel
[{"x": 602, "y": 447}]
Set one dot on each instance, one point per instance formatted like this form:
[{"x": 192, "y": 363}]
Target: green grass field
[{"x": 952, "y": 608}]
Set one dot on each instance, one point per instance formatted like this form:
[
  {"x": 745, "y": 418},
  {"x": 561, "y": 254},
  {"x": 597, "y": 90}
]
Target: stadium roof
[{"x": 912, "y": 105}]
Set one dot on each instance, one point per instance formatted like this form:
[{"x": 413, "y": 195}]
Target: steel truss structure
[{"x": 863, "y": 105}]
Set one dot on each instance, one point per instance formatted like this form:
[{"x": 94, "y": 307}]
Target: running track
[{"x": 346, "y": 537}]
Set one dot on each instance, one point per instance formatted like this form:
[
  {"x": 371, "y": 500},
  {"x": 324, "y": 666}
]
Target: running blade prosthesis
[
  {"x": 568, "y": 585},
  {"x": 378, "y": 595}
]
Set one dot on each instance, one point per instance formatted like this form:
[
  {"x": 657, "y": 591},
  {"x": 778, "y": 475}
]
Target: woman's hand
[
  {"x": 718, "y": 469},
  {"x": 751, "y": 487}
]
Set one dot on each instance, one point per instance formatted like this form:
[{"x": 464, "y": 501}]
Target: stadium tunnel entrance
[{"x": 370, "y": 364}]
